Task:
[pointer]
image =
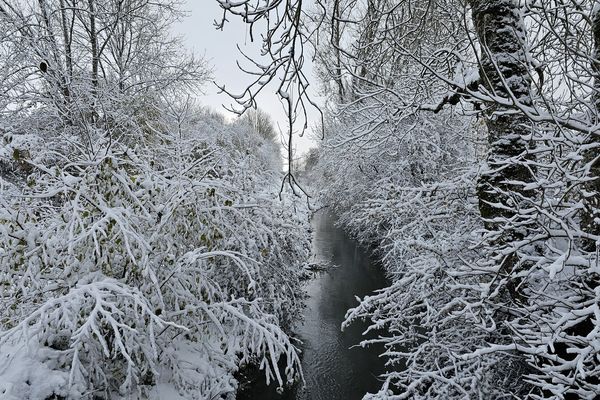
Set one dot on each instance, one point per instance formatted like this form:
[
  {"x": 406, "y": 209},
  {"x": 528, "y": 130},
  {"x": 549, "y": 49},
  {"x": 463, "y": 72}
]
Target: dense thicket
[
  {"x": 462, "y": 142},
  {"x": 144, "y": 251}
]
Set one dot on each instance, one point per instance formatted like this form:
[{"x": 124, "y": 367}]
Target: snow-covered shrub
[
  {"x": 171, "y": 261},
  {"x": 495, "y": 260},
  {"x": 448, "y": 325},
  {"x": 144, "y": 250},
  {"x": 412, "y": 199}
]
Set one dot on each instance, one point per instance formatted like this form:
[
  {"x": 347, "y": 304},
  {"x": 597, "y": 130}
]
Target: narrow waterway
[{"x": 332, "y": 368}]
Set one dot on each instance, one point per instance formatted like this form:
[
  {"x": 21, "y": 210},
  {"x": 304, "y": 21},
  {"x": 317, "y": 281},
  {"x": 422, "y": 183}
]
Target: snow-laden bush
[
  {"x": 454, "y": 324},
  {"x": 135, "y": 268},
  {"x": 420, "y": 316},
  {"x": 144, "y": 250},
  {"x": 411, "y": 195},
  {"x": 494, "y": 256}
]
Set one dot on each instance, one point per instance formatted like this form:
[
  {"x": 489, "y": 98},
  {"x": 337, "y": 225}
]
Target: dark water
[{"x": 333, "y": 370}]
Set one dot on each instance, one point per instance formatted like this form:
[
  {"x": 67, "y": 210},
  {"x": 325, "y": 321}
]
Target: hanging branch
[{"x": 284, "y": 41}]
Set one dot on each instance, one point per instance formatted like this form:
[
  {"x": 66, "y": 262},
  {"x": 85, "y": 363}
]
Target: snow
[
  {"x": 27, "y": 371},
  {"x": 149, "y": 250}
]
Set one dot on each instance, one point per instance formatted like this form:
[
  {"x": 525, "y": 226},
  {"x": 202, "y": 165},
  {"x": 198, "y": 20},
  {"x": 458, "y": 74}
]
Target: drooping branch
[{"x": 283, "y": 45}]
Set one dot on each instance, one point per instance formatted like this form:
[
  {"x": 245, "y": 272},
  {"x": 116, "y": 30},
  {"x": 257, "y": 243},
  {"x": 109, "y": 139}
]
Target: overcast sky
[{"x": 219, "y": 47}]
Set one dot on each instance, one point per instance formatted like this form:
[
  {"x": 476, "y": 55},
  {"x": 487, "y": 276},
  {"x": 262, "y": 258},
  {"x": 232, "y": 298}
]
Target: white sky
[{"x": 219, "y": 47}]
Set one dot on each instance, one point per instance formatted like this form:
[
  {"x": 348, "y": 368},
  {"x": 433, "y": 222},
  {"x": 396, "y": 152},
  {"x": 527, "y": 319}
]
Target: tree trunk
[
  {"x": 503, "y": 72},
  {"x": 94, "y": 43},
  {"x": 66, "y": 31},
  {"x": 95, "y": 60},
  {"x": 336, "y": 35},
  {"x": 56, "y": 74}
]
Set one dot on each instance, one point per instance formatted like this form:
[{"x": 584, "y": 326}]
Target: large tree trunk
[{"x": 503, "y": 72}]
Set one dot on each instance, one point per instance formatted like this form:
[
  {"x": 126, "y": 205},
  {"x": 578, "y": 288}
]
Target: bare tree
[
  {"x": 283, "y": 44},
  {"x": 113, "y": 45},
  {"x": 261, "y": 123}
]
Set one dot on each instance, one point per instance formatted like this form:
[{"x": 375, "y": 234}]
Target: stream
[{"x": 332, "y": 369}]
